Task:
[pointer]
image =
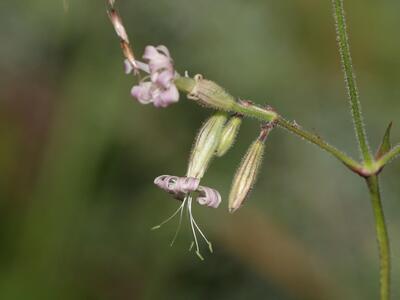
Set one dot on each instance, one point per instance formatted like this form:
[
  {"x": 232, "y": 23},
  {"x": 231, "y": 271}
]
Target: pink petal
[
  {"x": 142, "y": 92},
  {"x": 164, "y": 50},
  {"x": 157, "y": 60},
  {"x": 155, "y": 95},
  {"x": 179, "y": 187},
  {"x": 164, "y": 78},
  {"x": 188, "y": 184},
  {"x": 209, "y": 197},
  {"x": 150, "y": 52},
  {"x": 170, "y": 95}
]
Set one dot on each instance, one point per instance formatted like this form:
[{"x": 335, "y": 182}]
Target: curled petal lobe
[
  {"x": 179, "y": 187},
  {"x": 159, "y": 181},
  {"x": 185, "y": 185},
  {"x": 209, "y": 197},
  {"x": 168, "y": 184},
  {"x": 188, "y": 184}
]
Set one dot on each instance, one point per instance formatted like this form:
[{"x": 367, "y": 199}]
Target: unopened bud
[
  {"x": 205, "y": 145},
  {"x": 246, "y": 175},
  {"x": 229, "y": 134},
  {"x": 211, "y": 94}
]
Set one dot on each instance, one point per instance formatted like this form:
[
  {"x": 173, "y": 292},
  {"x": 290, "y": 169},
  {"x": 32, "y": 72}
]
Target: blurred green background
[{"x": 78, "y": 155}]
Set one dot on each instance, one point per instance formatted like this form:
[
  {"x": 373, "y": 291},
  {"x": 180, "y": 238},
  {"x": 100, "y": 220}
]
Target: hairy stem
[
  {"x": 382, "y": 237},
  {"x": 317, "y": 140},
  {"x": 351, "y": 85}
]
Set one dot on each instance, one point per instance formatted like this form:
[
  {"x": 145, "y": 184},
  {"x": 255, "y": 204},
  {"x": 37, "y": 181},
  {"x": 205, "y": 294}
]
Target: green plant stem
[
  {"x": 369, "y": 163},
  {"x": 351, "y": 85},
  {"x": 316, "y": 140},
  {"x": 386, "y": 158},
  {"x": 382, "y": 237}
]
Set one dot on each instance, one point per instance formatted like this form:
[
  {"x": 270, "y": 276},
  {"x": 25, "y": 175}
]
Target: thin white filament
[
  {"x": 189, "y": 206},
  {"x": 203, "y": 235},
  {"x": 180, "y": 208},
  {"x": 180, "y": 221}
]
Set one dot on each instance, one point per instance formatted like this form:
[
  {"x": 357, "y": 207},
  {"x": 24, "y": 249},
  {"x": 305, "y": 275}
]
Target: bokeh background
[{"x": 78, "y": 155}]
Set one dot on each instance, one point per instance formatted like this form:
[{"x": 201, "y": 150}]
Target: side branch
[
  {"x": 224, "y": 101},
  {"x": 316, "y": 140}
]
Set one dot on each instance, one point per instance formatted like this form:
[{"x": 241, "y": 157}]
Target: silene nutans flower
[
  {"x": 185, "y": 189},
  {"x": 188, "y": 188},
  {"x": 158, "y": 87},
  {"x": 246, "y": 174}
]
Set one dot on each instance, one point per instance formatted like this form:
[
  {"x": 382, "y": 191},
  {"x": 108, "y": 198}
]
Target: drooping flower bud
[
  {"x": 246, "y": 175},
  {"x": 229, "y": 134},
  {"x": 205, "y": 145},
  {"x": 211, "y": 94}
]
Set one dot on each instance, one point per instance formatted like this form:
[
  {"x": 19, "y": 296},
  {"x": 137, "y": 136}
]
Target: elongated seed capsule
[
  {"x": 246, "y": 175},
  {"x": 206, "y": 143},
  {"x": 229, "y": 134}
]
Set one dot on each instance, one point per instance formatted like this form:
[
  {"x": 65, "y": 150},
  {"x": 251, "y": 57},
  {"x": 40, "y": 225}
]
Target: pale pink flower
[{"x": 160, "y": 89}]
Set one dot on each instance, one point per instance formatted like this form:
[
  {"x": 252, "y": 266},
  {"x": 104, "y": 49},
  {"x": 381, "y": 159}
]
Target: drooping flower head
[
  {"x": 157, "y": 88},
  {"x": 186, "y": 189}
]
